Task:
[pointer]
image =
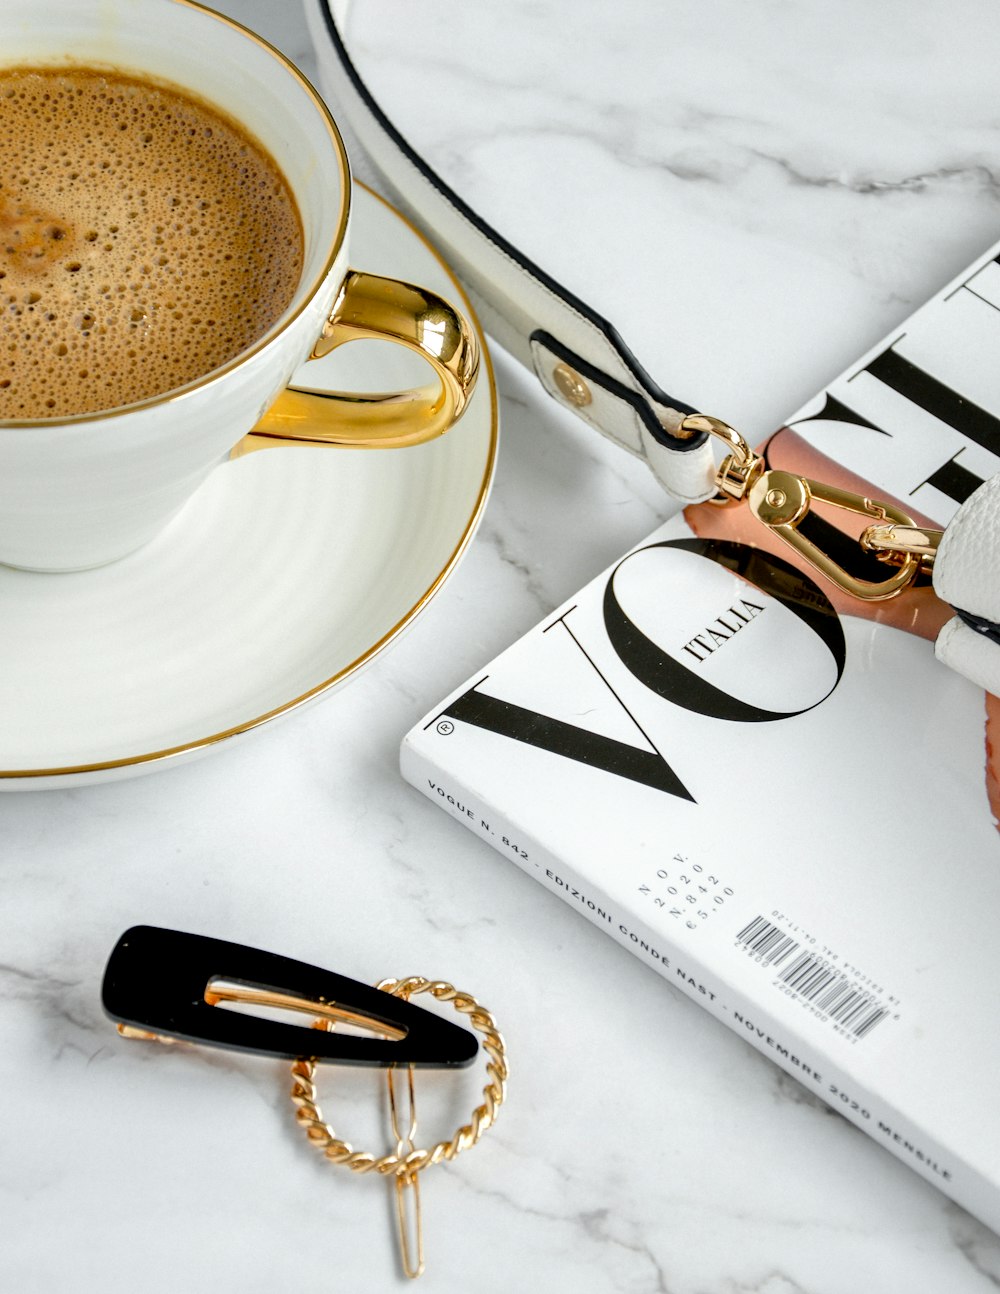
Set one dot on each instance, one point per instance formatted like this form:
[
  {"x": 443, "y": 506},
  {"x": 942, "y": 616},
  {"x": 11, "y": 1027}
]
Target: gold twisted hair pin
[
  {"x": 407, "y": 1161},
  {"x": 167, "y": 985}
]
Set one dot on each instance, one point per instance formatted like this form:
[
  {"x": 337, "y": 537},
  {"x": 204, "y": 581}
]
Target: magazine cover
[{"x": 769, "y": 790}]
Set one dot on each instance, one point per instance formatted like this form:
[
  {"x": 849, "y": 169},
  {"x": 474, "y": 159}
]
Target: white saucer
[{"x": 286, "y": 573}]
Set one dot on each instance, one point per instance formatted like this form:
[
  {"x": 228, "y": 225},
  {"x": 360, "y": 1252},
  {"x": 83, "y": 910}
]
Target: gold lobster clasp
[{"x": 782, "y": 501}]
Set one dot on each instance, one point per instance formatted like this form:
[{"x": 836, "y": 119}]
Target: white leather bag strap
[
  {"x": 582, "y": 362},
  {"x": 578, "y": 356}
]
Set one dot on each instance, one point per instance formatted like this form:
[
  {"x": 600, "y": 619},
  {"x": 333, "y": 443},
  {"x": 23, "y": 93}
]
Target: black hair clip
[{"x": 167, "y": 986}]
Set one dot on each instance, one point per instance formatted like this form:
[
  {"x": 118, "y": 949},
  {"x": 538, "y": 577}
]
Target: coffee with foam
[{"x": 145, "y": 240}]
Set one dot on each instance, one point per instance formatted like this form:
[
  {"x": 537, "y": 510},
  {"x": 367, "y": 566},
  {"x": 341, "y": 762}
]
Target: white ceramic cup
[{"x": 82, "y": 491}]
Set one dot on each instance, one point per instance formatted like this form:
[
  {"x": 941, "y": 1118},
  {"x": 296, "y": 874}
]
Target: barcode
[
  {"x": 768, "y": 942},
  {"x": 812, "y": 979}
]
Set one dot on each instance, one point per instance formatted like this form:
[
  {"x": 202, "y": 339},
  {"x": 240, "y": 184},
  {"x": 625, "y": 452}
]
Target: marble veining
[
  {"x": 753, "y": 193},
  {"x": 677, "y": 156}
]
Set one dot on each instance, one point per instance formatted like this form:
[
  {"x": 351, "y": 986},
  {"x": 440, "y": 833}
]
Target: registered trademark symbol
[{"x": 446, "y": 727}]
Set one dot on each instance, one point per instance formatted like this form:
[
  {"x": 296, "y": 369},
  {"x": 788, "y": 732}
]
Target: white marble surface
[{"x": 754, "y": 192}]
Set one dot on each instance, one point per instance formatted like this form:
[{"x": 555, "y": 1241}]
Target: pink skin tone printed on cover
[{"x": 916, "y": 610}]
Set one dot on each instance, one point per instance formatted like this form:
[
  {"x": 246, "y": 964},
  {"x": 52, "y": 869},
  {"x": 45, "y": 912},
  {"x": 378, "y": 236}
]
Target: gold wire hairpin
[
  {"x": 166, "y": 985},
  {"x": 406, "y": 1163}
]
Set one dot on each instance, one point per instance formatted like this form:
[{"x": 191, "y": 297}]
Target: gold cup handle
[{"x": 382, "y": 309}]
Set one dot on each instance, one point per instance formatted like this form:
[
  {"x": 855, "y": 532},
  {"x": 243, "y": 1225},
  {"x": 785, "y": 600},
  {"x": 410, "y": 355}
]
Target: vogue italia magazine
[{"x": 770, "y": 791}]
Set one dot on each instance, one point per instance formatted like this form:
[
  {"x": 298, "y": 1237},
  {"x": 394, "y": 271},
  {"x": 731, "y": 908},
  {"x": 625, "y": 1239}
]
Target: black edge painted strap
[
  {"x": 156, "y": 981},
  {"x": 619, "y": 389},
  {"x": 608, "y": 330},
  {"x": 981, "y": 625}
]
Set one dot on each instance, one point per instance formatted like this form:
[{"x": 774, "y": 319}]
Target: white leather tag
[
  {"x": 970, "y": 654},
  {"x": 965, "y": 574},
  {"x": 968, "y": 560}
]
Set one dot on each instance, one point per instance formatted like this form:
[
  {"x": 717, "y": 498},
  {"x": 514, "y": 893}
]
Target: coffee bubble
[{"x": 144, "y": 235}]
